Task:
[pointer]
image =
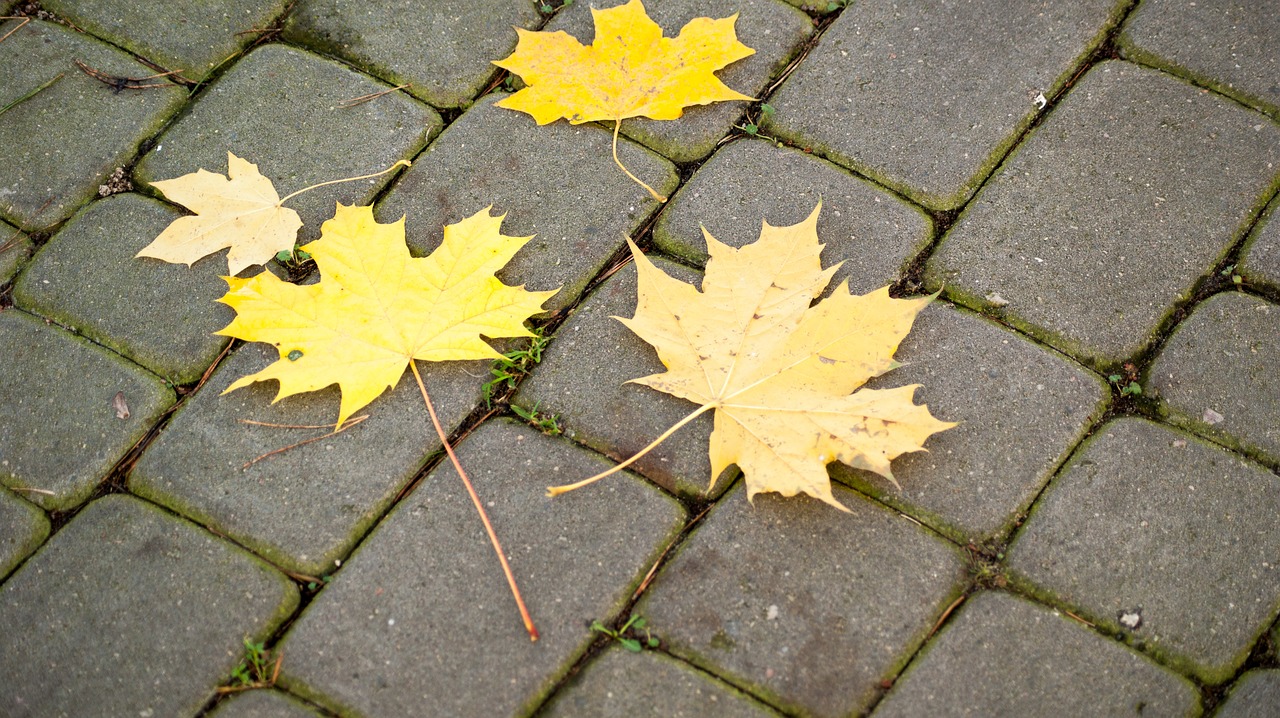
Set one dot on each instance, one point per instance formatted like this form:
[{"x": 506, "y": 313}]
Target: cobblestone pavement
[{"x": 1091, "y": 185}]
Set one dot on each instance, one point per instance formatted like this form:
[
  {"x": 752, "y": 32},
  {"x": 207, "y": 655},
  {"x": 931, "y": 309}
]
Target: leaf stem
[
  {"x": 488, "y": 527},
  {"x": 400, "y": 163},
  {"x": 617, "y": 126},
  {"x": 566, "y": 488}
]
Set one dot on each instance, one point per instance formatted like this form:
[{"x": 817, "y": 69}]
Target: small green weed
[
  {"x": 752, "y": 126},
  {"x": 629, "y": 634},
  {"x": 1130, "y": 388},
  {"x": 255, "y": 671},
  {"x": 547, "y": 424},
  {"x": 834, "y": 5},
  {"x": 513, "y": 365}
]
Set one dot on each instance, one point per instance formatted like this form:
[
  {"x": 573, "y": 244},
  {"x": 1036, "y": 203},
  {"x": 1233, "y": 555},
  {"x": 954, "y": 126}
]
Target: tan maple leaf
[
  {"x": 630, "y": 70},
  {"x": 782, "y": 376},
  {"x": 376, "y": 309},
  {"x": 241, "y": 211}
]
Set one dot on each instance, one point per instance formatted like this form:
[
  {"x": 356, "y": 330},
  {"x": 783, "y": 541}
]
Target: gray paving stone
[
  {"x": 264, "y": 704},
  {"x": 1150, "y": 521},
  {"x": 1004, "y": 656},
  {"x": 422, "y": 610},
  {"x": 279, "y": 108},
  {"x": 444, "y": 49},
  {"x": 1106, "y": 217},
  {"x": 873, "y": 232},
  {"x": 621, "y": 684},
  {"x": 582, "y": 378},
  {"x": 15, "y": 247},
  {"x": 558, "y": 182},
  {"x": 802, "y": 604},
  {"x": 305, "y": 508},
  {"x": 771, "y": 28},
  {"x": 913, "y": 95},
  {"x": 67, "y": 139},
  {"x": 1261, "y": 263},
  {"x": 1229, "y": 45},
  {"x": 160, "y": 315},
  {"x": 1255, "y": 695},
  {"x": 1020, "y": 409},
  {"x": 23, "y": 527},
  {"x": 1225, "y": 359},
  {"x": 62, "y": 387},
  {"x": 193, "y": 37},
  {"x": 129, "y": 611}
]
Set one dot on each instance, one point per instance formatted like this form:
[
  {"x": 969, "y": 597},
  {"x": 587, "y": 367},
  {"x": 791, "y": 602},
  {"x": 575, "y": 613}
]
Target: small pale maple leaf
[
  {"x": 630, "y": 70},
  {"x": 782, "y": 376},
  {"x": 241, "y": 211},
  {"x": 377, "y": 308}
]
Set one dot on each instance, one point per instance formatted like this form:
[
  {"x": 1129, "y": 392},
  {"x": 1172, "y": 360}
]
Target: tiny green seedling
[
  {"x": 631, "y": 642},
  {"x": 513, "y": 365},
  {"x": 255, "y": 671},
  {"x": 547, "y": 424},
  {"x": 1132, "y": 388}
]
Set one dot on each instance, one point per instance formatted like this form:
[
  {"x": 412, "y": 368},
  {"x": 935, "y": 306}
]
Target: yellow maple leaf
[
  {"x": 377, "y": 308},
  {"x": 241, "y": 211},
  {"x": 630, "y": 70},
  {"x": 782, "y": 376}
]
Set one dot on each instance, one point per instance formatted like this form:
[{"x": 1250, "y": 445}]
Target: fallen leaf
[
  {"x": 120, "y": 405},
  {"x": 376, "y": 307},
  {"x": 782, "y": 376},
  {"x": 630, "y": 70},
  {"x": 241, "y": 211}
]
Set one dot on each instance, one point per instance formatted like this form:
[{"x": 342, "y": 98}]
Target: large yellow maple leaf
[
  {"x": 630, "y": 70},
  {"x": 242, "y": 211},
  {"x": 377, "y": 308},
  {"x": 782, "y": 376}
]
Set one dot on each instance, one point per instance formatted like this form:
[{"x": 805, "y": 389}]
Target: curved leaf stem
[
  {"x": 400, "y": 163},
  {"x": 566, "y": 488},
  {"x": 488, "y": 527},
  {"x": 617, "y": 126}
]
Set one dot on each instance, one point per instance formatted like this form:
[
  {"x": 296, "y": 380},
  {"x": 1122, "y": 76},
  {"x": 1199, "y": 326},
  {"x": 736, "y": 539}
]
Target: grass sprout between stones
[{"x": 629, "y": 634}]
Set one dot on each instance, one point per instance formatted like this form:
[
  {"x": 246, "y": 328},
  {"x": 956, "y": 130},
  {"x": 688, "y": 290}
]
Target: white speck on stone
[
  {"x": 997, "y": 300},
  {"x": 1131, "y": 620},
  {"x": 1041, "y": 101},
  {"x": 1212, "y": 417},
  {"x": 772, "y": 613}
]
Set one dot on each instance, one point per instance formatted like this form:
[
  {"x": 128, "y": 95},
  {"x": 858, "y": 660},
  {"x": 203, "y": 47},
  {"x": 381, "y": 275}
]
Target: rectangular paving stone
[
  {"x": 160, "y": 315},
  {"x": 1005, "y": 656},
  {"x": 1219, "y": 374},
  {"x": 1104, "y": 219},
  {"x": 305, "y": 508},
  {"x": 444, "y": 49},
  {"x": 1229, "y": 45},
  {"x": 557, "y": 182},
  {"x": 280, "y": 108},
  {"x": 263, "y": 704},
  {"x": 913, "y": 95},
  {"x": 620, "y": 684},
  {"x": 583, "y": 378},
  {"x": 1020, "y": 408},
  {"x": 873, "y": 232},
  {"x": 62, "y": 389},
  {"x": 1261, "y": 255},
  {"x": 129, "y": 611},
  {"x": 67, "y": 139},
  {"x": 420, "y": 621},
  {"x": 193, "y": 37},
  {"x": 1163, "y": 537},
  {"x": 1255, "y": 695},
  {"x": 23, "y": 527},
  {"x": 801, "y": 604},
  {"x": 771, "y": 28},
  {"x": 15, "y": 248}
]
